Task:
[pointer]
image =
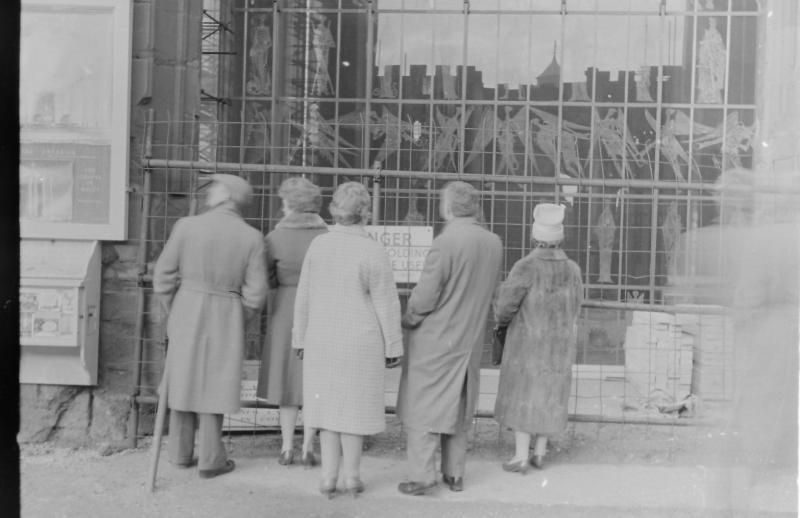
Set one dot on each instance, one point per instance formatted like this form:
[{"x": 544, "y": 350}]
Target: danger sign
[{"x": 406, "y": 246}]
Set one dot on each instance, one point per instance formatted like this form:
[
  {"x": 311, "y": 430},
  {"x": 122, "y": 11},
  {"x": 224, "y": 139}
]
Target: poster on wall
[
  {"x": 48, "y": 315},
  {"x": 73, "y": 110}
]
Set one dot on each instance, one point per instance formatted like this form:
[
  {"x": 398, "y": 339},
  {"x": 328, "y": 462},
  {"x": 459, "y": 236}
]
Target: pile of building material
[
  {"x": 713, "y": 373},
  {"x": 658, "y": 356}
]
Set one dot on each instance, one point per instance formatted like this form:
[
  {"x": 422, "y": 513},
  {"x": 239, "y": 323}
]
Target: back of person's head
[
  {"x": 548, "y": 224},
  {"x": 300, "y": 195},
  {"x": 229, "y": 187},
  {"x": 351, "y": 204},
  {"x": 462, "y": 199}
]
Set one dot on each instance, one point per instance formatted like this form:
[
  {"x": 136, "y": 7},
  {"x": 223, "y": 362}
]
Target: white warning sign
[{"x": 406, "y": 246}]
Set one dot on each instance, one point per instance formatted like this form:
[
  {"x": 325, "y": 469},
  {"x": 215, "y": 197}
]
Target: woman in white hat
[{"x": 539, "y": 302}]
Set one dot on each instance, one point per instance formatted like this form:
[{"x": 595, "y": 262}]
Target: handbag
[{"x": 498, "y": 343}]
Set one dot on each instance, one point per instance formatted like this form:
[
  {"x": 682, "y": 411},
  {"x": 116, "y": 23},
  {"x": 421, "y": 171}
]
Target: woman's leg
[
  {"x": 330, "y": 451},
  {"x": 288, "y": 421},
  {"x": 522, "y": 440},
  {"x": 539, "y": 451},
  {"x": 541, "y": 445},
  {"x": 351, "y": 462},
  {"x": 519, "y": 462},
  {"x": 351, "y": 455},
  {"x": 308, "y": 439}
]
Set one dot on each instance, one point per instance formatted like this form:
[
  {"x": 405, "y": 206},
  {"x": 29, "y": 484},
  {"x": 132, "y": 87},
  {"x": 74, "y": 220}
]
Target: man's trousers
[
  {"x": 421, "y": 451},
  {"x": 182, "y": 425}
]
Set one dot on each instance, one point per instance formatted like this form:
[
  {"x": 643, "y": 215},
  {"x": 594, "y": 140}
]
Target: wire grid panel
[{"x": 629, "y": 362}]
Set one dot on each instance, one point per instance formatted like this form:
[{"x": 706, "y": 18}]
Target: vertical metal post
[
  {"x": 376, "y": 192},
  {"x": 141, "y": 264},
  {"x": 365, "y": 131},
  {"x": 306, "y": 74},
  {"x": 243, "y": 93},
  {"x": 462, "y": 125},
  {"x": 657, "y": 171}
]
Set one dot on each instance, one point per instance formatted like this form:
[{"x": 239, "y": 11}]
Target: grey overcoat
[
  {"x": 446, "y": 316},
  {"x": 280, "y": 377},
  {"x": 210, "y": 273},
  {"x": 541, "y": 299}
]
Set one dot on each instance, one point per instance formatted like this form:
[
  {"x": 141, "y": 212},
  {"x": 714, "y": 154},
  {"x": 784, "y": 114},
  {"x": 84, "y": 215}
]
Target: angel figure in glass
[
  {"x": 612, "y": 137},
  {"x": 260, "y": 52},
  {"x": 322, "y": 42}
]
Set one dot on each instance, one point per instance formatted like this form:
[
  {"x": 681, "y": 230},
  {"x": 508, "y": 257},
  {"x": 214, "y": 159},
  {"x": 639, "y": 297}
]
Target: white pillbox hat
[{"x": 548, "y": 221}]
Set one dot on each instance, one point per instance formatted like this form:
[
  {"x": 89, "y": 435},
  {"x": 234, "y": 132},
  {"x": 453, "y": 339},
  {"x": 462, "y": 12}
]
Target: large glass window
[{"x": 617, "y": 108}]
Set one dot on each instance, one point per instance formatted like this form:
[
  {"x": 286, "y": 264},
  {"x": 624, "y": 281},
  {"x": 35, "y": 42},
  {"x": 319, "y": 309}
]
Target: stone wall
[{"x": 165, "y": 69}]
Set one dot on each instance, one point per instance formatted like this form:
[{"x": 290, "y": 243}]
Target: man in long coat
[
  {"x": 446, "y": 316},
  {"x": 210, "y": 276}
]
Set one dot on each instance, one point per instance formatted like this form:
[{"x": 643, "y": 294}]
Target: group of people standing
[{"x": 335, "y": 324}]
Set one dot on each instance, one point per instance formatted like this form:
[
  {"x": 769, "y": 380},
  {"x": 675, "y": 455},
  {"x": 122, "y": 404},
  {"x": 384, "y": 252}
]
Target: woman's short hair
[
  {"x": 351, "y": 204},
  {"x": 300, "y": 195},
  {"x": 463, "y": 198}
]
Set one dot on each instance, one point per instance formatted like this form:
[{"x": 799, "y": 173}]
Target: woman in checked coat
[
  {"x": 346, "y": 324},
  {"x": 539, "y": 302},
  {"x": 280, "y": 378}
]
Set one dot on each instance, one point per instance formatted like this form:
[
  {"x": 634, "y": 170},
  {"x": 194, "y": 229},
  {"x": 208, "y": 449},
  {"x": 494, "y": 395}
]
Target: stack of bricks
[
  {"x": 713, "y": 374},
  {"x": 658, "y": 356}
]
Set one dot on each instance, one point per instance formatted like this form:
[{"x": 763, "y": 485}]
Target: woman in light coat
[
  {"x": 539, "y": 302},
  {"x": 280, "y": 378},
  {"x": 346, "y": 323},
  {"x": 210, "y": 277}
]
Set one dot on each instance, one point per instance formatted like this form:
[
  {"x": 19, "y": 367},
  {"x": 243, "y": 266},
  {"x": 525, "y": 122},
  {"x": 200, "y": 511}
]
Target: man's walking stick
[{"x": 161, "y": 412}]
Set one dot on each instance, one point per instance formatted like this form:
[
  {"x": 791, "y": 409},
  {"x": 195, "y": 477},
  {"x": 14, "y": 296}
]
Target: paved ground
[{"x": 595, "y": 470}]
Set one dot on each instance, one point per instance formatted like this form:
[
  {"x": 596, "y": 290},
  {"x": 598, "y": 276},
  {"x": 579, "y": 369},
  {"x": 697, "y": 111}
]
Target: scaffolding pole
[{"x": 162, "y": 163}]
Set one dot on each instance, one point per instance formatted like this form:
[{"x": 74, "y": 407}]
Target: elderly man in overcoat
[
  {"x": 211, "y": 277},
  {"x": 446, "y": 319}
]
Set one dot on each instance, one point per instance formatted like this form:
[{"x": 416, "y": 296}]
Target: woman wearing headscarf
[
  {"x": 280, "y": 378},
  {"x": 211, "y": 278},
  {"x": 346, "y": 324},
  {"x": 539, "y": 302}
]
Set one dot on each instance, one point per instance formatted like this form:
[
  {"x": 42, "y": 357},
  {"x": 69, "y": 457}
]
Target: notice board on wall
[{"x": 74, "y": 112}]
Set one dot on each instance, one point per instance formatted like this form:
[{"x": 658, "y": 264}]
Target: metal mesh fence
[{"x": 652, "y": 331}]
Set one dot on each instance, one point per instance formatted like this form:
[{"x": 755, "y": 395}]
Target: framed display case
[
  {"x": 59, "y": 311},
  {"x": 74, "y": 110}
]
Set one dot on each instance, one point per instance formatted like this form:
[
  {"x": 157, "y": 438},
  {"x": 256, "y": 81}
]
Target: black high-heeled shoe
[
  {"x": 328, "y": 488},
  {"x": 354, "y": 486},
  {"x": 286, "y": 457},
  {"x": 516, "y": 467},
  {"x": 309, "y": 460},
  {"x": 537, "y": 461}
]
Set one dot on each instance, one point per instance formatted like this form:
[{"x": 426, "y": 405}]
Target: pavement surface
[{"x": 587, "y": 474}]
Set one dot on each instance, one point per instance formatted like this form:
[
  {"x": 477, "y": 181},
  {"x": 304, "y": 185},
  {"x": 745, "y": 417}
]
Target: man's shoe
[
  {"x": 455, "y": 483},
  {"x": 415, "y": 488},
  {"x": 211, "y": 473}
]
